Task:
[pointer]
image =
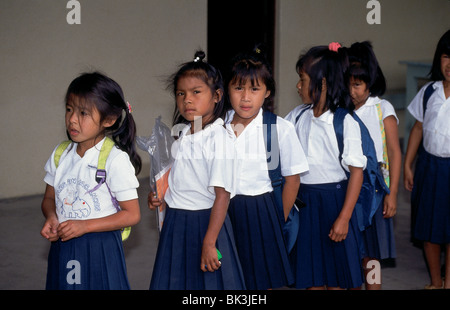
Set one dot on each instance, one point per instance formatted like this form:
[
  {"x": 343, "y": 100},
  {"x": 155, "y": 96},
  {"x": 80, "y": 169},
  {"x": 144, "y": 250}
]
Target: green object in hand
[{"x": 219, "y": 255}]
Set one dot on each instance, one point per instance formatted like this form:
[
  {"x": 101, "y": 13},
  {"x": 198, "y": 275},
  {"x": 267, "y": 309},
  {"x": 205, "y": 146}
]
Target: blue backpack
[
  {"x": 290, "y": 227},
  {"x": 374, "y": 187}
]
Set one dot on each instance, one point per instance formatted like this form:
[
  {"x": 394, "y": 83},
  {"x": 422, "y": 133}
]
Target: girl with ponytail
[
  {"x": 84, "y": 218},
  {"x": 327, "y": 252},
  {"x": 196, "y": 249}
]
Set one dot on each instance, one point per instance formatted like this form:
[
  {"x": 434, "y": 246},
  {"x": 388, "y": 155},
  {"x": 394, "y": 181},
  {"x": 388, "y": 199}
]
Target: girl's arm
[
  {"x": 290, "y": 191},
  {"x": 209, "y": 260},
  {"x": 339, "y": 229},
  {"x": 415, "y": 138},
  {"x": 48, "y": 207},
  {"x": 395, "y": 161},
  {"x": 129, "y": 215}
]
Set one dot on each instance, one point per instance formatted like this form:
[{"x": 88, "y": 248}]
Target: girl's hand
[
  {"x": 408, "y": 178},
  {"x": 339, "y": 230},
  {"x": 390, "y": 205},
  {"x": 72, "y": 229},
  {"x": 50, "y": 229},
  {"x": 153, "y": 201},
  {"x": 209, "y": 260}
]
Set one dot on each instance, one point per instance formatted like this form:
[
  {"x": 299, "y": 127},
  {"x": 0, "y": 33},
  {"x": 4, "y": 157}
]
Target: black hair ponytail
[{"x": 124, "y": 137}]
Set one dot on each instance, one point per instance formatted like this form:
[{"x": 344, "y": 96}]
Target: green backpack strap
[
  {"x": 59, "y": 150},
  {"x": 104, "y": 152},
  {"x": 107, "y": 146}
]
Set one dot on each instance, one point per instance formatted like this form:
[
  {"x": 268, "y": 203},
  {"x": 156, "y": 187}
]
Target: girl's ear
[
  {"x": 109, "y": 121},
  {"x": 218, "y": 95},
  {"x": 267, "y": 94}
]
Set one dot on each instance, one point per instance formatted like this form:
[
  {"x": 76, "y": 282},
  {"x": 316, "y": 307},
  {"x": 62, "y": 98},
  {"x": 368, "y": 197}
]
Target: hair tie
[
  {"x": 196, "y": 59},
  {"x": 334, "y": 46},
  {"x": 129, "y": 107}
]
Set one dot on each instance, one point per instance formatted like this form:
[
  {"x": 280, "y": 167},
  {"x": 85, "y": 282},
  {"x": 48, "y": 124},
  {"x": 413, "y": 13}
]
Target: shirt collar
[
  {"x": 326, "y": 117},
  {"x": 187, "y": 127}
]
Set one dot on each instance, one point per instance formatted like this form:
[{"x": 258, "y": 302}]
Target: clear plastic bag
[{"x": 159, "y": 146}]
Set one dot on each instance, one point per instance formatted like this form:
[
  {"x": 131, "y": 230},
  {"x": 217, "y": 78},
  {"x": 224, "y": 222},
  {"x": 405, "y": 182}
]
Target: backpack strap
[
  {"x": 59, "y": 150},
  {"x": 291, "y": 226},
  {"x": 338, "y": 124},
  {"x": 385, "y": 163},
  {"x": 307, "y": 106},
  {"x": 270, "y": 119},
  {"x": 107, "y": 146},
  {"x": 426, "y": 96}
]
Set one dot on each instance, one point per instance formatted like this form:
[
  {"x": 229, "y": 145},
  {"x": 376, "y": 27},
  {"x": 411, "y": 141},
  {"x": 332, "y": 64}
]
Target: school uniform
[
  {"x": 257, "y": 226},
  {"x": 316, "y": 259},
  {"x": 378, "y": 238},
  {"x": 430, "y": 196},
  {"x": 203, "y": 160},
  {"x": 99, "y": 255}
]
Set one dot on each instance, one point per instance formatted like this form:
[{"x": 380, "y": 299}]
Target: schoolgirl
[
  {"x": 430, "y": 182},
  {"x": 257, "y": 226},
  {"x": 327, "y": 253},
  {"x": 196, "y": 224},
  {"x": 366, "y": 82},
  {"x": 82, "y": 220}
]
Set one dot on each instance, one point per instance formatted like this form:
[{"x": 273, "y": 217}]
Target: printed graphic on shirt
[{"x": 74, "y": 201}]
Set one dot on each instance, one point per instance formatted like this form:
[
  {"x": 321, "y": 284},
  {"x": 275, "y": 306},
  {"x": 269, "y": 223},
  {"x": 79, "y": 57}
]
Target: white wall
[
  {"x": 136, "y": 42},
  {"x": 409, "y": 30}
]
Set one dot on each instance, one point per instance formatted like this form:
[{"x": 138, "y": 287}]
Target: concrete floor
[{"x": 24, "y": 252}]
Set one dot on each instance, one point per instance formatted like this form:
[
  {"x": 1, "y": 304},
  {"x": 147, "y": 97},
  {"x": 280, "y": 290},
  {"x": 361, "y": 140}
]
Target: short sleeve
[
  {"x": 121, "y": 177},
  {"x": 353, "y": 153}
]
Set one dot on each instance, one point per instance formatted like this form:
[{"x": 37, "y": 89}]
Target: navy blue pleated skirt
[
  {"x": 430, "y": 199},
  {"x": 259, "y": 241},
  {"x": 316, "y": 259},
  {"x": 94, "y": 261},
  {"x": 178, "y": 258},
  {"x": 378, "y": 238}
]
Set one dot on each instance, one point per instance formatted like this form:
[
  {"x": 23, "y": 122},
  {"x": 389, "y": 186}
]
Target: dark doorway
[{"x": 237, "y": 25}]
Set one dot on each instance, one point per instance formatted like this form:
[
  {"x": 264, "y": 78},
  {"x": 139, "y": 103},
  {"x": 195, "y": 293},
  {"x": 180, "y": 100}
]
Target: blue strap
[
  {"x": 426, "y": 96},
  {"x": 338, "y": 124},
  {"x": 291, "y": 226},
  {"x": 307, "y": 107},
  {"x": 272, "y": 146}
]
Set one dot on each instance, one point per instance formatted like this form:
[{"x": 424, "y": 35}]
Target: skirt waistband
[
  {"x": 325, "y": 186},
  {"x": 434, "y": 158}
]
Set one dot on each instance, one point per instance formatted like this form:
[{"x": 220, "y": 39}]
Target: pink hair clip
[
  {"x": 129, "y": 107},
  {"x": 334, "y": 46}
]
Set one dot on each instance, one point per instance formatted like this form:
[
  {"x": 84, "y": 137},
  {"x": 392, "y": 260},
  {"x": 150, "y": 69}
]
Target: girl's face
[
  {"x": 445, "y": 67},
  {"x": 195, "y": 99},
  {"x": 303, "y": 87},
  {"x": 247, "y": 99},
  {"x": 83, "y": 124},
  {"x": 358, "y": 92}
]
